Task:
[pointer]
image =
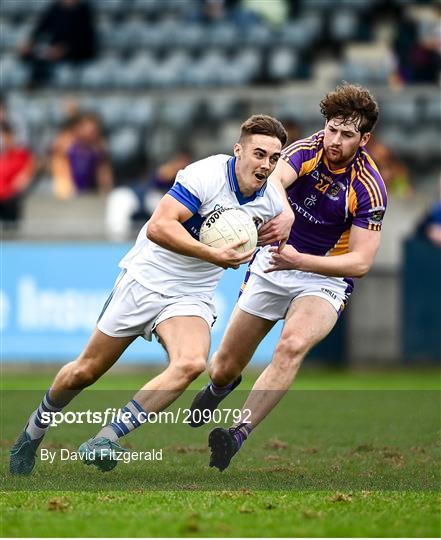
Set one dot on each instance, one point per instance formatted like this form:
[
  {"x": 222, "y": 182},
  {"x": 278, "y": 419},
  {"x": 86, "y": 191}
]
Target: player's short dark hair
[
  {"x": 262, "y": 124},
  {"x": 353, "y": 103}
]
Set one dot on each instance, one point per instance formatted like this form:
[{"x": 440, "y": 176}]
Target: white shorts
[
  {"x": 133, "y": 310},
  {"x": 263, "y": 298}
]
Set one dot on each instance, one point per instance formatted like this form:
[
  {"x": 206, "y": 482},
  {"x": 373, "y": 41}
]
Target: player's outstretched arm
[
  {"x": 363, "y": 246},
  {"x": 278, "y": 228},
  {"x": 165, "y": 229}
]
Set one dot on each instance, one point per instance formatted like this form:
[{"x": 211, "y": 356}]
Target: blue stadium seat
[
  {"x": 102, "y": 73},
  {"x": 137, "y": 72},
  {"x": 148, "y": 7},
  {"x": 300, "y": 34},
  {"x": 364, "y": 64},
  {"x": 14, "y": 73},
  {"x": 140, "y": 112},
  {"x": 282, "y": 64},
  {"x": 12, "y": 35},
  {"x": 192, "y": 35},
  {"x": 124, "y": 144},
  {"x": 112, "y": 110},
  {"x": 255, "y": 34},
  {"x": 22, "y": 8},
  {"x": 207, "y": 70},
  {"x": 221, "y": 107},
  {"x": 433, "y": 109},
  {"x": 65, "y": 76},
  {"x": 250, "y": 61},
  {"x": 110, "y": 7},
  {"x": 343, "y": 25},
  {"x": 399, "y": 111},
  {"x": 223, "y": 34},
  {"x": 179, "y": 113}
]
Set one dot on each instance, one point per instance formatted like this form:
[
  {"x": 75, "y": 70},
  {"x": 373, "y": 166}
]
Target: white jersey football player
[{"x": 166, "y": 287}]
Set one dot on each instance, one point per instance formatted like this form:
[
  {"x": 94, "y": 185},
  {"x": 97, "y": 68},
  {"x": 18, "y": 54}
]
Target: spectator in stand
[
  {"x": 393, "y": 170},
  {"x": 16, "y": 174},
  {"x": 137, "y": 202},
  {"x": 79, "y": 161},
  {"x": 15, "y": 120},
  {"x": 65, "y": 32},
  {"x": 430, "y": 226},
  {"x": 417, "y": 46}
]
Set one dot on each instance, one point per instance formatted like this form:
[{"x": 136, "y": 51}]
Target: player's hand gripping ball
[{"x": 226, "y": 226}]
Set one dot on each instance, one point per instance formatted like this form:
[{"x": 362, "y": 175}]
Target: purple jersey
[
  {"x": 327, "y": 203},
  {"x": 84, "y": 162}
]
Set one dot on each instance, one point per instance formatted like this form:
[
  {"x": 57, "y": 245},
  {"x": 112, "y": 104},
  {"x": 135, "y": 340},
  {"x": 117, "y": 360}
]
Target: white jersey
[{"x": 203, "y": 186}]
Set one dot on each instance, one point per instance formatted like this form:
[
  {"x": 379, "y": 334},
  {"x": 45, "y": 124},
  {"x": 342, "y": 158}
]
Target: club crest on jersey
[
  {"x": 376, "y": 215},
  {"x": 334, "y": 190}
]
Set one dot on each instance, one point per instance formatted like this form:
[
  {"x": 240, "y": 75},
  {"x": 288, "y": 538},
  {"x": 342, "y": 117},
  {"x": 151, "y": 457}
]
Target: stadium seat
[
  {"x": 223, "y": 34},
  {"x": 102, "y": 73},
  {"x": 65, "y": 76},
  {"x": 148, "y": 7},
  {"x": 343, "y": 25},
  {"x": 255, "y": 34},
  {"x": 137, "y": 72},
  {"x": 433, "y": 109},
  {"x": 179, "y": 113},
  {"x": 124, "y": 144},
  {"x": 399, "y": 111},
  {"x": 110, "y": 7},
  {"x": 192, "y": 35},
  {"x": 221, "y": 108},
  {"x": 207, "y": 70},
  {"x": 250, "y": 61},
  {"x": 22, "y": 8},
  {"x": 366, "y": 64},
  {"x": 299, "y": 34},
  {"x": 113, "y": 110},
  {"x": 282, "y": 64},
  {"x": 140, "y": 112},
  {"x": 14, "y": 73}
]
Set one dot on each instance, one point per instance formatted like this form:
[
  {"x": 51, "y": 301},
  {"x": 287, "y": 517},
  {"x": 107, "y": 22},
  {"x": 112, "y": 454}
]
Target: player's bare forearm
[
  {"x": 170, "y": 234},
  {"x": 278, "y": 229},
  {"x": 165, "y": 229},
  {"x": 363, "y": 246}
]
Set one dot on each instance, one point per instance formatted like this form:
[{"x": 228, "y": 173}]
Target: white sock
[
  {"x": 39, "y": 424},
  {"x": 134, "y": 416}
]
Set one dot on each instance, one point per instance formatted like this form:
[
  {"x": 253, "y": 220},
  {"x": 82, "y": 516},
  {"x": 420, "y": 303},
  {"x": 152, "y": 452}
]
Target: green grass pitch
[{"x": 344, "y": 454}]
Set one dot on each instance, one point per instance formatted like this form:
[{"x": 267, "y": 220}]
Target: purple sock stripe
[
  {"x": 220, "y": 388},
  {"x": 240, "y": 438}
]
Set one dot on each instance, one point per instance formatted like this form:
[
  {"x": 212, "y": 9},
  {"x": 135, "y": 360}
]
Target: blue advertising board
[{"x": 51, "y": 295}]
